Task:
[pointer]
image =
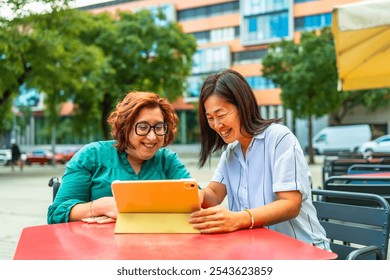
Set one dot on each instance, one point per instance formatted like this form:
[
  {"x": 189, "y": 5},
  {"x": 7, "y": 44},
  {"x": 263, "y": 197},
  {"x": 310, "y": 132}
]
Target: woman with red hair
[{"x": 142, "y": 124}]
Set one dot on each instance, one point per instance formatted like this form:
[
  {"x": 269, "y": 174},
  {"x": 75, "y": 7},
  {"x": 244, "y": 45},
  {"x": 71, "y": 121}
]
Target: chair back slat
[
  {"x": 365, "y": 215},
  {"x": 353, "y": 226},
  {"x": 352, "y": 234},
  {"x": 360, "y": 184},
  {"x": 368, "y": 168}
]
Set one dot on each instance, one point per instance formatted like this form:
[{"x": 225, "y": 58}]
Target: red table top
[
  {"x": 373, "y": 174},
  {"x": 81, "y": 241}
]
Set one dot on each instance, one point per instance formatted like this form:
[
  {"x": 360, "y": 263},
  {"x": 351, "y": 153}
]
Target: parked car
[
  {"x": 39, "y": 156},
  {"x": 379, "y": 145},
  {"x": 345, "y": 138},
  {"x": 65, "y": 155},
  {"x": 5, "y": 156}
]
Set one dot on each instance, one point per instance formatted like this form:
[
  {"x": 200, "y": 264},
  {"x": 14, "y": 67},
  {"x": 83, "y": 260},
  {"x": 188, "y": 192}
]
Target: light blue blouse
[
  {"x": 274, "y": 162},
  {"x": 89, "y": 174}
]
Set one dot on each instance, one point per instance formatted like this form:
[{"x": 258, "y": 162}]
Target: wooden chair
[{"x": 355, "y": 231}]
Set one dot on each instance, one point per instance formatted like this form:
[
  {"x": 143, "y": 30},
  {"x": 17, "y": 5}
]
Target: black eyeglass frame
[{"x": 165, "y": 126}]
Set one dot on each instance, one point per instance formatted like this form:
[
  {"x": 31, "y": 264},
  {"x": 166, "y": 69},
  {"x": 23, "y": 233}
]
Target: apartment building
[{"x": 235, "y": 34}]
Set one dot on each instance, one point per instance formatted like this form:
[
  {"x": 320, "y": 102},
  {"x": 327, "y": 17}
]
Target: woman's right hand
[
  {"x": 102, "y": 210},
  {"x": 99, "y": 220}
]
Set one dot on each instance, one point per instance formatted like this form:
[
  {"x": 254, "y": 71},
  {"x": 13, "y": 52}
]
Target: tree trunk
[
  {"x": 310, "y": 135},
  {"x": 106, "y": 109}
]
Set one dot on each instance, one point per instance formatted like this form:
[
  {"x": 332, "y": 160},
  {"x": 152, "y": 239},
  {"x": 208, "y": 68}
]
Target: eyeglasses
[{"x": 143, "y": 128}]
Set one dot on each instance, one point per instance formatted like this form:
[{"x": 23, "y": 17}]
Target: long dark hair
[{"x": 232, "y": 87}]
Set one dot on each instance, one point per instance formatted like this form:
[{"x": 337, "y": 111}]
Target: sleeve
[
  {"x": 75, "y": 186},
  {"x": 290, "y": 171}
]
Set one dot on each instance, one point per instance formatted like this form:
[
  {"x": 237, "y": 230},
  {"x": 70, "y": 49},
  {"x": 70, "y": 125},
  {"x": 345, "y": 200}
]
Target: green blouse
[{"x": 89, "y": 174}]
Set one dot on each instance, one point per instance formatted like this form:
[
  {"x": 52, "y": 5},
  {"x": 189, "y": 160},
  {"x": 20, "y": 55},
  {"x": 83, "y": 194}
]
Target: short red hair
[{"x": 122, "y": 118}]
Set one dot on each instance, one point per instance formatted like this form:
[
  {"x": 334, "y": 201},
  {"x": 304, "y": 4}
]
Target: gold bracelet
[
  {"x": 90, "y": 209},
  {"x": 252, "y": 218}
]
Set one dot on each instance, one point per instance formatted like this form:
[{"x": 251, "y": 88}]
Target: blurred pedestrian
[{"x": 16, "y": 156}]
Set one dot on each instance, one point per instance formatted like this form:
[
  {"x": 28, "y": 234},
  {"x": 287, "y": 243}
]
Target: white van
[{"x": 345, "y": 138}]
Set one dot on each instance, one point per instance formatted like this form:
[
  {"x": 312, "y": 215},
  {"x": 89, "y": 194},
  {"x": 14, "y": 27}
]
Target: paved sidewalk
[{"x": 25, "y": 196}]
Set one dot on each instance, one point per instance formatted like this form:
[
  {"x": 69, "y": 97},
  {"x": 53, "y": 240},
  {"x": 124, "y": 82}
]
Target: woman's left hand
[{"x": 215, "y": 219}]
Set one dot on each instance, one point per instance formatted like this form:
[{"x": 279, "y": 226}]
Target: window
[
  {"x": 303, "y": 1},
  {"x": 194, "y": 86},
  {"x": 255, "y": 7},
  {"x": 259, "y": 82},
  {"x": 249, "y": 57},
  {"x": 265, "y": 21},
  {"x": 217, "y": 35},
  {"x": 208, "y": 11},
  {"x": 263, "y": 28},
  {"x": 222, "y": 34},
  {"x": 313, "y": 22},
  {"x": 211, "y": 59}
]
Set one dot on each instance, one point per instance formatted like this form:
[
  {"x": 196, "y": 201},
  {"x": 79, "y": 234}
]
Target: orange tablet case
[{"x": 155, "y": 206}]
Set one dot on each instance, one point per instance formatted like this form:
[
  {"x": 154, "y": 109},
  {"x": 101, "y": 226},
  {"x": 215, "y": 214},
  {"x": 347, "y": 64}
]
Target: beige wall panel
[
  {"x": 179, "y": 5},
  {"x": 317, "y": 7},
  {"x": 191, "y": 26},
  {"x": 268, "y": 97},
  {"x": 248, "y": 69},
  {"x": 188, "y": 4}
]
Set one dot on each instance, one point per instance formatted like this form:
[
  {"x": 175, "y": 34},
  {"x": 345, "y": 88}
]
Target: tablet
[
  {"x": 155, "y": 206},
  {"x": 145, "y": 196}
]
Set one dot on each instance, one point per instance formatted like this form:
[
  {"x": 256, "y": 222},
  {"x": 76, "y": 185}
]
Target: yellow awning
[{"x": 361, "y": 33}]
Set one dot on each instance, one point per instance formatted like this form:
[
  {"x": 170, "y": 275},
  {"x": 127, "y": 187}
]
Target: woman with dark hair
[
  {"x": 142, "y": 124},
  {"x": 262, "y": 170}
]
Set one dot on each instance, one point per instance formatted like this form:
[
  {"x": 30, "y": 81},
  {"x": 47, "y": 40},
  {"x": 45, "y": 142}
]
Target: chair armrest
[
  {"x": 356, "y": 254},
  {"x": 55, "y": 183}
]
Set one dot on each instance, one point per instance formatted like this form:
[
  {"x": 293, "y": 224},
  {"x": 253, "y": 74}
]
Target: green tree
[
  {"x": 44, "y": 52},
  {"x": 92, "y": 60},
  {"x": 306, "y": 73},
  {"x": 142, "y": 54},
  {"x": 372, "y": 100}
]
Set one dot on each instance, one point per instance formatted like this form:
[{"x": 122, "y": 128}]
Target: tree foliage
[
  {"x": 44, "y": 52},
  {"x": 372, "y": 100},
  {"x": 92, "y": 60},
  {"x": 142, "y": 55},
  {"x": 307, "y": 75}
]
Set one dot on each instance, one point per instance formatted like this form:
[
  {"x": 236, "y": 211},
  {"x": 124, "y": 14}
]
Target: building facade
[{"x": 235, "y": 34}]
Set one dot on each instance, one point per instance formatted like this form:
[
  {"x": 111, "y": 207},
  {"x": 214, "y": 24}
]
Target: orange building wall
[
  {"x": 317, "y": 7},
  {"x": 223, "y": 21},
  {"x": 179, "y": 5}
]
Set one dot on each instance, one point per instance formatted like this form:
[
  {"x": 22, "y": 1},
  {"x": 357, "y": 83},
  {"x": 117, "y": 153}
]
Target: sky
[{"x": 37, "y": 7}]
